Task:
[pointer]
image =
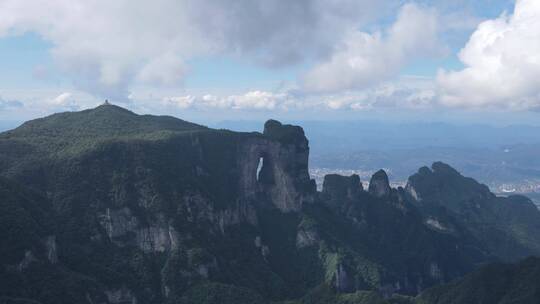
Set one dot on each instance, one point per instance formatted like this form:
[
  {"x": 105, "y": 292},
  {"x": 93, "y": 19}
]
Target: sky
[{"x": 212, "y": 60}]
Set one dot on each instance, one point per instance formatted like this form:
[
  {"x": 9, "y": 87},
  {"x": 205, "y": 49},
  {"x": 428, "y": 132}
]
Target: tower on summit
[{"x": 106, "y": 103}]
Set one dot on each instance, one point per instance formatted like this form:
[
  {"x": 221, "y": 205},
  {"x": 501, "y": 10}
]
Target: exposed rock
[
  {"x": 435, "y": 271},
  {"x": 196, "y": 208},
  {"x": 265, "y": 251},
  {"x": 342, "y": 280},
  {"x": 50, "y": 246},
  {"x": 118, "y": 222},
  {"x": 434, "y": 223},
  {"x": 159, "y": 238},
  {"x": 409, "y": 189},
  {"x": 258, "y": 242},
  {"x": 283, "y": 174},
  {"x": 337, "y": 187},
  {"x": 27, "y": 260},
  {"x": 241, "y": 212},
  {"x": 401, "y": 198},
  {"x": 121, "y": 296},
  {"x": 379, "y": 185},
  {"x": 306, "y": 238}
]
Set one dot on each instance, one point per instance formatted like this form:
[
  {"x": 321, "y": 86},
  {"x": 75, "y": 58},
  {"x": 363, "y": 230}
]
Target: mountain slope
[
  {"x": 509, "y": 227},
  {"x": 150, "y": 217},
  {"x": 30, "y": 268},
  {"x": 73, "y": 132}
]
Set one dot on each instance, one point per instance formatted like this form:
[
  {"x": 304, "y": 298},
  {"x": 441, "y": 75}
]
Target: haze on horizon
[{"x": 472, "y": 61}]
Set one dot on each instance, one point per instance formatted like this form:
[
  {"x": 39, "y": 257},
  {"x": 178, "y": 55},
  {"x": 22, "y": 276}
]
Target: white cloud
[
  {"x": 258, "y": 100},
  {"x": 62, "y": 99},
  {"x": 112, "y": 48},
  {"x": 405, "y": 93},
  {"x": 108, "y": 46},
  {"x": 252, "y": 100},
  {"x": 182, "y": 102},
  {"x": 402, "y": 94},
  {"x": 502, "y": 63},
  {"x": 365, "y": 59}
]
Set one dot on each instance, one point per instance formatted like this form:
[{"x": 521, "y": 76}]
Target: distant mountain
[{"x": 107, "y": 206}]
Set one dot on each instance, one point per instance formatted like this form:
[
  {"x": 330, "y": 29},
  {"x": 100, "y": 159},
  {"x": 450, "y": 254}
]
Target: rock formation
[{"x": 379, "y": 186}]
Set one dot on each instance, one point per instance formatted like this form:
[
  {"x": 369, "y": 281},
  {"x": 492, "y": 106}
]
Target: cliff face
[
  {"x": 123, "y": 208},
  {"x": 275, "y": 165},
  {"x": 387, "y": 240},
  {"x": 178, "y": 192}
]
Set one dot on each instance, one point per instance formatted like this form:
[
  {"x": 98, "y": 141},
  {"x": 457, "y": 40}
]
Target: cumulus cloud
[
  {"x": 404, "y": 94},
  {"x": 252, "y": 100},
  {"x": 108, "y": 46},
  {"x": 364, "y": 59},
  {"x": 502, "y": 63},
  {"x": 182, "y": 102},
  {"x": 407, "y": 93},
  {"x": 61, "y": 99},
  {"x": 64, "y": 101}
]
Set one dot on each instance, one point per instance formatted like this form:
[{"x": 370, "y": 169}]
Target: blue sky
[
  {"x": 256, "y": 59},
  {"x": 19, "y": 57}
]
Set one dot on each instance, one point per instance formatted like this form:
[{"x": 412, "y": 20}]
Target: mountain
[
  {"x": 107, "y": 206},
  {"x": 503, "y": 157},
  {"x": 507, "y": 226}
]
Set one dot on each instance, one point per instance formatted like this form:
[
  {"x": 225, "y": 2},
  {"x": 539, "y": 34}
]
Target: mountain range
[
  {"x": 107, "y": 206},
  {"x": 503, "y": 157}
]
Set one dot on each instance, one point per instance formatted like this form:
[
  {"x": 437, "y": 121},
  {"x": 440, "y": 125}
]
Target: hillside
[
  {"x": 496, "y": 284},
  {"x": 72, "y": 132},
  {"x": 507, "y": 226}
]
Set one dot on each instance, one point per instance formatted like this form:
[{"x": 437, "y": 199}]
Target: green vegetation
[
  {"x": 494, "y": 284},
  {"x": 214, "y": 293},
  {"x": 70, "y": 133},
  {"x": 507, "y": 227},
  {"x": 25, "y": 219}
]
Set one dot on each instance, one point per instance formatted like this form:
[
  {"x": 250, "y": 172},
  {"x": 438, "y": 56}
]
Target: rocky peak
[
  {"x": 338, "y": 187},
  {"x": 444, "y": 184},
  {"x": 379, "y": 186},
  {"x": 287, "y": 134},
  {"x": 276, "y": 165}
]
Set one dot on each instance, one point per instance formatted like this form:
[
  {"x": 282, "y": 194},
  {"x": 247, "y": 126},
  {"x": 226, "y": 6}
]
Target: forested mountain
[{"x": 107, "y": 206}]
